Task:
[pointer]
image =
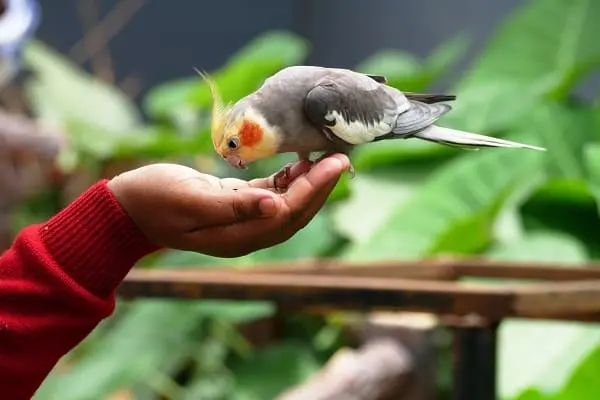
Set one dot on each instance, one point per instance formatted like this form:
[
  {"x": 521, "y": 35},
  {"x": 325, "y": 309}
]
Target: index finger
[
  {"x": 295, "y": 171},
  {"x": 225, "y": 207},
  {"x": 304, "y": 188}
]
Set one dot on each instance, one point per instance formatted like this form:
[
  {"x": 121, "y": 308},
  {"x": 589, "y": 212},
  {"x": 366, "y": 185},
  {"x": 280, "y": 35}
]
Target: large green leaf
[
  {"x": 566, "y": 205},
  {"x": 405, "y": 72},
  {"x": 540, "y": 355},
  {"x": 563, "y": 132},
  {"x": 533, "y": 394},
  {"x": 242, "y": 73},
  {"x": 444, "y": 57},
  {"x": 454, "y": 210},
  {"x": 584, "y": 383},
  {"x": 592, "y": 224},
  {"x": 395, "y": 65},
  {"x": 541, "y": 247},
  {"x": 374, "y": 197},
  {"x": 143, "y": 142},
  {"x": 151, "y": 335},
  {"x": 562, "y": 200},
  {"x": 273, "y": 369},
  {"x": 387, "y": 153},
  {"x": 543, "y": 48},
  {"x": 592, "y": 163},
  {"x": 314, "y": 240},
  {"x": 60, "y": 93}
]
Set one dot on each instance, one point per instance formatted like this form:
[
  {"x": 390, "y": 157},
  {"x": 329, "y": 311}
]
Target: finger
[
  {"x": 236, "y": 239},
  {"x": 302, "y": 191},
  {"x": 233, "y": 183},
  {"x": 256, "y": 234},
  {"x": 233, "y": 207},
  {"x": 296, "y": 170},
  {"x": 242, "y": 238},
  {"x": 300, "y": 219}
]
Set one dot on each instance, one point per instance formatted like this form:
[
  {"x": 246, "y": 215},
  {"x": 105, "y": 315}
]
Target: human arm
[{"x": 58, "y": 280}]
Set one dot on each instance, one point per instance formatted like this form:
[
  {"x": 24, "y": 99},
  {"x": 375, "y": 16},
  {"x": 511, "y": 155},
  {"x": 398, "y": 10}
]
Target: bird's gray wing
[
  {"x": 355, "y": 109},
  {"x": 361, "y": 111},
  {"x": 377, "y": 78},
  {"x": 429, "y": 98}
]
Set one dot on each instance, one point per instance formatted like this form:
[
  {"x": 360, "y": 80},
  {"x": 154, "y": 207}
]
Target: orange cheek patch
[{"x": 250, "y": 133}]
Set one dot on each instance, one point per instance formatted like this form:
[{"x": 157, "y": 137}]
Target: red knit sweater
[{"x": 58, "y": 281}]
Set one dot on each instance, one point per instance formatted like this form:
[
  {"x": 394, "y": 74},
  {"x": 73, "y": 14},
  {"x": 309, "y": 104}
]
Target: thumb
[{"x": 237, "y": 205}]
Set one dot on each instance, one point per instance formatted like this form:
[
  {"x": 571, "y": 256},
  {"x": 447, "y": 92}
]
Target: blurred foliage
[{"x": 409, "y": 200}]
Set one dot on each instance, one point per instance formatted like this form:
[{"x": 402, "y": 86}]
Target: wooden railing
[{"x": 472, "y": 309}]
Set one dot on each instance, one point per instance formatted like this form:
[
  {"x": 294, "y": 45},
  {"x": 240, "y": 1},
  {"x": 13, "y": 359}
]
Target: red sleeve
[{"x": 58, "y": 281}]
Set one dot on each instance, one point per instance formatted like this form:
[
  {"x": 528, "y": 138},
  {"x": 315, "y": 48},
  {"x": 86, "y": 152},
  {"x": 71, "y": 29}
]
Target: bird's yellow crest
[{"x": 218, "y": 112}]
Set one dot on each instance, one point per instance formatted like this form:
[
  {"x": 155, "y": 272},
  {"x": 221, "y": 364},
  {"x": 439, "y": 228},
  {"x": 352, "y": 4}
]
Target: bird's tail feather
[{"x": 453, "y": 137}]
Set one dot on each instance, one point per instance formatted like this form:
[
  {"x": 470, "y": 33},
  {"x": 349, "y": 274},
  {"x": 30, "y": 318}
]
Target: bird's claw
[
  {"x": 281, "y": 179},
  {"x": 351, "y": 171}
]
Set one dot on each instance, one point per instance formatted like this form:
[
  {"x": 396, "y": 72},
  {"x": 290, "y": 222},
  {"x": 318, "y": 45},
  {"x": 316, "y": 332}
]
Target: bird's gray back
[{"x": 281, "y": 100}]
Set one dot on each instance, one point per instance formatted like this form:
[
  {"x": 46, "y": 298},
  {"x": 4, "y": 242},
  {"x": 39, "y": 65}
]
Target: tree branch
[{"x": 380, "y": 370}]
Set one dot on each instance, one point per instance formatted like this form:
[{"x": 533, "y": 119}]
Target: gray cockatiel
[{"x": 306, "y": 109}]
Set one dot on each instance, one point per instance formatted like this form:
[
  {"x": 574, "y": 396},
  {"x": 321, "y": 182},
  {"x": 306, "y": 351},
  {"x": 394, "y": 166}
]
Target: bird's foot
[
  {"x": 282, "y": 178},
  {"x": 351, "y": 171}
]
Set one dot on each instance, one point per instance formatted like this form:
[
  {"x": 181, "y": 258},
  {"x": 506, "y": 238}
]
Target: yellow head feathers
[
  {"x": 218, "y": 113},
  {"x": 241, "y": 135}
]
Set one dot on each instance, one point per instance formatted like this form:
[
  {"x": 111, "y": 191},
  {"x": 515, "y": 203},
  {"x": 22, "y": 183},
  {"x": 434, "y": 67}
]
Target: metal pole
[{"x": 475, "y": 362}]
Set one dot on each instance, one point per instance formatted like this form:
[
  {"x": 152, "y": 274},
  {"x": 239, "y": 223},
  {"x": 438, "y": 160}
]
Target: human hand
[{"x": 181, "y": 208}]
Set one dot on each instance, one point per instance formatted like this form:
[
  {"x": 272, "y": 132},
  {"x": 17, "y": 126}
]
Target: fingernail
[
  {"x": 267, "y": 206},
  {"x": 340, "y": 165}
]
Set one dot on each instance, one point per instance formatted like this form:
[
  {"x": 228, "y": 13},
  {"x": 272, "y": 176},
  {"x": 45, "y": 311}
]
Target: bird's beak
[{"x": 236, "y": 162}]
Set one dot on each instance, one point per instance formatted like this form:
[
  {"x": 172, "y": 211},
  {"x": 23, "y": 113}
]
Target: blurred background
[{"x": 103, "y": 86}]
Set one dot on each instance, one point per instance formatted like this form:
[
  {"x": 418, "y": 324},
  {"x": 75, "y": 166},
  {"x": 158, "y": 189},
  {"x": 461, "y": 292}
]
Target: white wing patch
[{"x": 356, "y": 132}]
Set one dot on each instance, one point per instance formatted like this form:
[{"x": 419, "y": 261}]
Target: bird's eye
[{"x": 233, "y": 143}]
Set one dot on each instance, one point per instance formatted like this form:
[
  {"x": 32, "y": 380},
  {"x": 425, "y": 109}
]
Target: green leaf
[
  {"x": 315, "y": 239},
  {"x": 563, "y": 132},
  {"x": 172, "y": 97},
  {"x": 374, "y": 197},
  {"x": 446, "y": 55},
  {"x": 540, "y": 355},
  {"x": 405, "y": 72},
  {"x": 592, "y": 163},
  {"x": 273, "y": 369},
  {"x": 243, "y": 72},
  {"x": 541, "y": 247},
  {"x": 533, "y": 394},
  {"x": 131, "y": 352},
  {"x": 387, "y": 153},
  {"x": 341, "y": 191},
  {"x": 143, "y": 142},
  {"x": 152, "y": 336},
  {"x": 60, "y": 93},
  {"x": 550, "y": 38},
  {"x": 584, "y": 383},
  {"x": 395, "y": 65},
  {"x": 565, "y": 205},
  {"x": 454, "y": 210},
  {"x": 542, "y": 49}
]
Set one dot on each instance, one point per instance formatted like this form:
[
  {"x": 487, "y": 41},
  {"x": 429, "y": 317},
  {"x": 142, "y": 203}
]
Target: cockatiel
[{"x": 308, "y": 109}]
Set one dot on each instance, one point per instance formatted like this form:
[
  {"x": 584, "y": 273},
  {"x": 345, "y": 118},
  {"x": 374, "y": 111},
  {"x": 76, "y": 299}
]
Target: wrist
[{"x": 94, "y": 241}]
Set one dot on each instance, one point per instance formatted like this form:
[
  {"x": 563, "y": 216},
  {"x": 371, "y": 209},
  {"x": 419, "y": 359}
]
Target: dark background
[{"x": 166, "y": 38}]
